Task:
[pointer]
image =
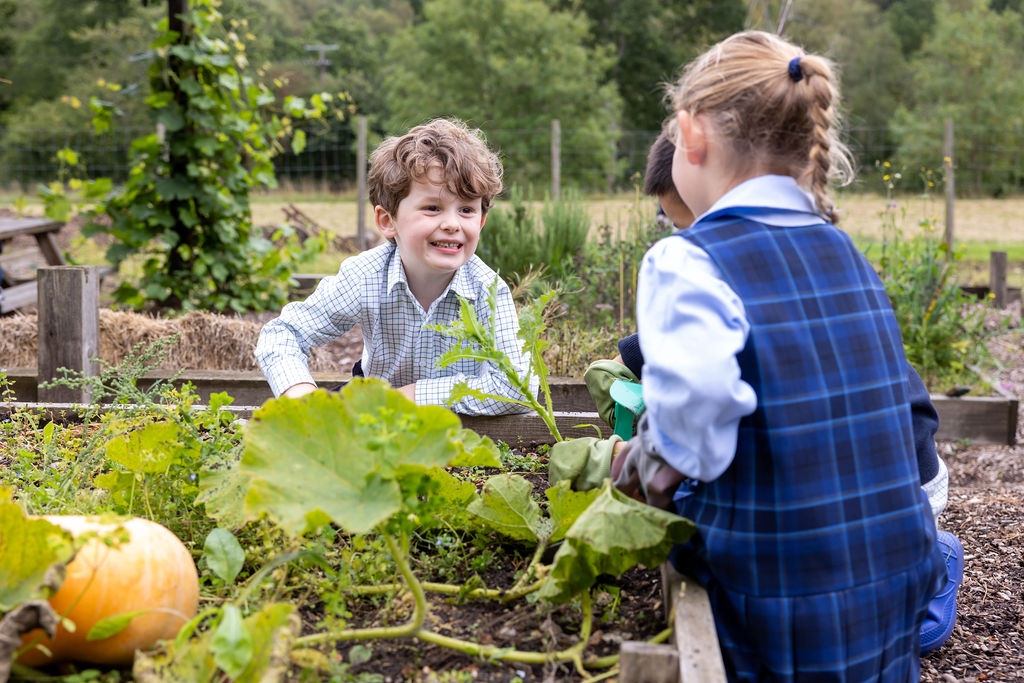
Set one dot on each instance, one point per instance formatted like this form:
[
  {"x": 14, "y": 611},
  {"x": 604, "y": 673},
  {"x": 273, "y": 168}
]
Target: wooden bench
[{"x": 16, "y": 291}]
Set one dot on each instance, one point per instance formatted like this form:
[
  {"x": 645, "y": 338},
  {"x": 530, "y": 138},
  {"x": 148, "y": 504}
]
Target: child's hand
[
  {"x": 301, "y": 389},
  {"x": 409, "y": 391}
]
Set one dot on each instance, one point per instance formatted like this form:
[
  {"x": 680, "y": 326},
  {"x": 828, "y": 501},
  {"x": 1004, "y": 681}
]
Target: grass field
[
  {"x": 980, "y": 225},
  {"x": 987, "y": 221}
]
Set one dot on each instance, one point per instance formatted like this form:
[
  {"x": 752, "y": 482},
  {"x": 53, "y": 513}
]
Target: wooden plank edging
[{"x": 979, "y": 419}]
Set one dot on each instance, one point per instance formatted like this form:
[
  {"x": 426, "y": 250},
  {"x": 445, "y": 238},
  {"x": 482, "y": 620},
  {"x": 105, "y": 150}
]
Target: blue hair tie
[{"x": 794, "y": 69}]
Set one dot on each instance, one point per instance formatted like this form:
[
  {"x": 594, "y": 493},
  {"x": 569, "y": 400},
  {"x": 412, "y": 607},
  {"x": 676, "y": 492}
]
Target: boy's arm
[
  {"x": 286, "y": 341},
  {"x": 489, "y": 379}
]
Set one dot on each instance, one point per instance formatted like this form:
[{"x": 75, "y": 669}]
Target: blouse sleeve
[{"x": 691, "y": 326}]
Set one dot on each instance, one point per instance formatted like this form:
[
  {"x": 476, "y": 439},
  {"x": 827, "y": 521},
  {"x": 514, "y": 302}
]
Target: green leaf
[
  {"x": 475, "y": 451},
  {"x": 171, "y": 118},
  {"x": 224, "y": 554},
  {"x": 28, "y": 549},
  {"x": 341, "y": 454},
  {"x": 612, "y": 535},
  {"x": 151, "y": 449},
  {"x": 231, "y": 645},
  {"x": 111, "y": 626},
  {"x": 506, "y": 506},
  {"x": 565, "y": 506},
  {"x": 298, "y": 142}
]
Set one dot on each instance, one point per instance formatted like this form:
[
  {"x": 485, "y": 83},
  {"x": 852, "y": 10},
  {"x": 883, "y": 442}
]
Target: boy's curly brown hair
[{"x": 468, "y": 167}]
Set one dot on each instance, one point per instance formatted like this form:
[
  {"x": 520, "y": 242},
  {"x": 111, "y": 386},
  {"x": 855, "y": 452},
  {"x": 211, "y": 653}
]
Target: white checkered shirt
[{"x": 371, "y": 289}]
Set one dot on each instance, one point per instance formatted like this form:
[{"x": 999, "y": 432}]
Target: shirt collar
[
  {"x": 461, "y": 283},
  {"x": 772, "y": 199}
]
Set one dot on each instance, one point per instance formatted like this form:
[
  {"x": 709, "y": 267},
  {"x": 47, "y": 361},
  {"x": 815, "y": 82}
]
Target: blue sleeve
[{"x": 926, "y": 423}]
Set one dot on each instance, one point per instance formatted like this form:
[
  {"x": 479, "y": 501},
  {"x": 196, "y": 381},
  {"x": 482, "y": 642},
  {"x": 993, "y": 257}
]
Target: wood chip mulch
[{"x": 986, "y": 512}]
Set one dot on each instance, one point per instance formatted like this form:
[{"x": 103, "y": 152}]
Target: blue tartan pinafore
[{"x": 816, "y": 545}]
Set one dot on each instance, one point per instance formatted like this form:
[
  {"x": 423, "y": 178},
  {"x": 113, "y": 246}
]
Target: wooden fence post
[
  {"x": 556, "y": 158},
  {"x": 68, "y": 322},
  {"x": 997, "y": 277},
  {"x": 947, "y": 165},
  {"x": 361, "y": 192}
]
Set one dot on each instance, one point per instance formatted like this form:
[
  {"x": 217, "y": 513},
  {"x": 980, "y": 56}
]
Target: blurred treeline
[{"x": 511, "y": 66}]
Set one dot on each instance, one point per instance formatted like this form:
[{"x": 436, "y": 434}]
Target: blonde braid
[{"x": 821, "y": 112}]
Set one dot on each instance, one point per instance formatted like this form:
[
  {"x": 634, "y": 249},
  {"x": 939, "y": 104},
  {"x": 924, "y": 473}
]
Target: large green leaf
[
  {"x": 28, "y": 549},
  {"x": 612, "y": 535},
  {"x": 506, "y": 505},
  {"x": 150, "y": 449},
  {"x": 340, "y": 455},
  {"x": 565, "y": 506}
]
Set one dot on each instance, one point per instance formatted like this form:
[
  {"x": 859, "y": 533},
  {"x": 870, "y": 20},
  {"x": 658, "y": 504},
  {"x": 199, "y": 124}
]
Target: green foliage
[
  {"x": 613, "y": 534},
  {"x": 508, "y": 66},
  {"x": 250, "y": 649},
  {"x": 652, "y": 40},
  {"x": 967, "y": 71},
  {"x": 944, "y": 329},
  {"x": 28, "y": 549},
  {"x": 381, "y": 451},
  {"x": 185, "y": 207},
  {"x": 518, "y": 238},
  {"x": 479, "y": 343}
]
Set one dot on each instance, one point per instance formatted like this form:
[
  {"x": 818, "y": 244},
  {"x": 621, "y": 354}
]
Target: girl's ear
[
  {"x": 695, "y": 141},
  {"x": 385, "y": 222}
]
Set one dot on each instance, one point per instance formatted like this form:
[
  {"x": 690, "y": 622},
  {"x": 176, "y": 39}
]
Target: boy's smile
[{"x": 436, "y": 233}]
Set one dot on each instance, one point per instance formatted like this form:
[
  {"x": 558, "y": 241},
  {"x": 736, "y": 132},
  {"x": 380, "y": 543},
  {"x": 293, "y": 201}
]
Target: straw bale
[{"x": 207, "y": 341}]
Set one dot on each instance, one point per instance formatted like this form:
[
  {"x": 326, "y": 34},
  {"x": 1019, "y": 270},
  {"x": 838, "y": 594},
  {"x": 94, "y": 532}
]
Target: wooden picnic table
[{"x": 18, "y": 294}]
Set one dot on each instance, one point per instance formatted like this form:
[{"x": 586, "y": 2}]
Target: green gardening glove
[
  {"x": 599, "y": 378},
  {"x": 585, "y": 462}
]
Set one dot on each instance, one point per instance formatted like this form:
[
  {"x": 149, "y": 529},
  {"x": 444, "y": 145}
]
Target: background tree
[
  {"x": 651, "y": 40},
  {"x": 967, "y": 70},
  {"x": 859, "y": 38},
  {"x": 508, "y": 67}
]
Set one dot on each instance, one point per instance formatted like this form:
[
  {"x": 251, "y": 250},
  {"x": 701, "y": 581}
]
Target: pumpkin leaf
[
  {"x": 342, "y": 456},
  {"x": 614, "y": 533},
  {"x": 565, "y": 506},
  {"x": 112, "y": 625},
  {"x": 222, "y": 492},
  {"x": 224, "y": 554},
  {"x": 151, "y": 449},
  {"x": 32, "y": 553},
  {"x": 506, "y": 506},
  {"x": 231, "y": 645}
]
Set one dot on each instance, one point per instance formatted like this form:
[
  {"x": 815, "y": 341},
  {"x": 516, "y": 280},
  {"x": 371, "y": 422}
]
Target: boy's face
[
  {"x": 436, "y": 232},
  {"x": 676, "y": 210}
]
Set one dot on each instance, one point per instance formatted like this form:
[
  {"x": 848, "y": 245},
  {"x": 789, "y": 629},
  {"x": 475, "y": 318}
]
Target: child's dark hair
[
  {"x": 468, "y": 167},
  {"x": 658, "y": 174},
  {"x": 774, "y": 106}
]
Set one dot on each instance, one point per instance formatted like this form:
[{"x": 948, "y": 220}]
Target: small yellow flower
[
  {"x": 991, "y": 295},
  {"x": 886, "y": 164},
  {"x": 947, "y": 160},
  {"x": 75, "y": 102},
  {"x": 885, "y": 177},
  {"x": 101, "y": 82}
]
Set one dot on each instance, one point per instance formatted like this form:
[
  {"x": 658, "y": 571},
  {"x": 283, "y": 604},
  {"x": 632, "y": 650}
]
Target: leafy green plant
[
  {"x": 480, "y": 343},
  {"x": 518, "y": 238},
  {"x": 184, "y": 211},
  {"x": 373, "y": 463},
  {"x": 944, "y": 328}
]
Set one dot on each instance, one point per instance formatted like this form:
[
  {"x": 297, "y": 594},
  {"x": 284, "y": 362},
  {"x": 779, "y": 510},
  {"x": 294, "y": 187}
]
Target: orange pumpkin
[{"x": 152, "y": 571}]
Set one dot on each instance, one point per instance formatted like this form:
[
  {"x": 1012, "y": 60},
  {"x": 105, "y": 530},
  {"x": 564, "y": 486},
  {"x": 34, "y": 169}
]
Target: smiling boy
[{"x": 431, "y": 189}]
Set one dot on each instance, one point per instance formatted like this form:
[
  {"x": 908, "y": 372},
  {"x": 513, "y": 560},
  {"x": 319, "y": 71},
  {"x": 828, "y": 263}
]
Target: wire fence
[{"x": 988, "y": 161}]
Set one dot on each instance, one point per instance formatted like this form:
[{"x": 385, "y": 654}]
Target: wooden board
[{"x": 981, "y": 419}]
